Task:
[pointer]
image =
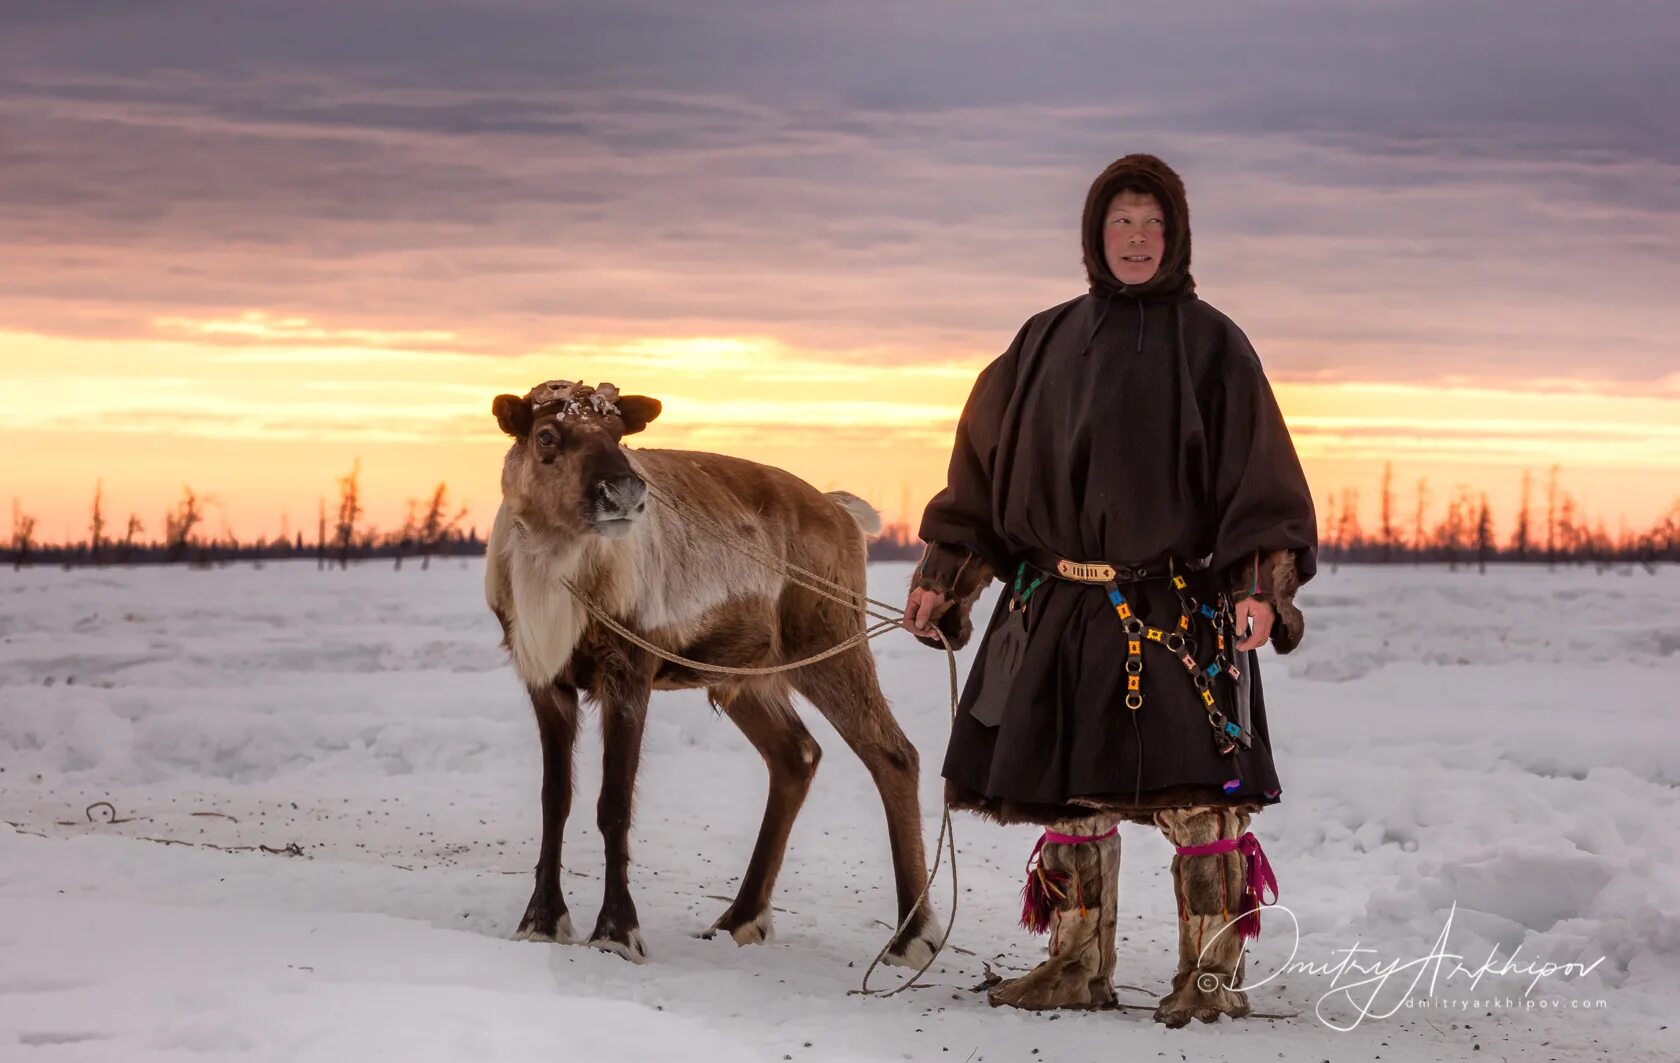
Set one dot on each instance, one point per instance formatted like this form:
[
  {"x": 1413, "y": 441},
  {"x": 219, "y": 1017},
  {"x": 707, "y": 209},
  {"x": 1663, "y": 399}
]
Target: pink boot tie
[
  {"x": 1045, "y": 887},
  {"x": 1258, "y": 880}
]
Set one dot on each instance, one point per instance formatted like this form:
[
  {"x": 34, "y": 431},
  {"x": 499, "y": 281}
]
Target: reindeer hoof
[
  {"x": 559, "y": 930},
  {"x": 627, "y": 944},
  {"x": 759, "y": 930},
  {"x": 915, "y": 949}
]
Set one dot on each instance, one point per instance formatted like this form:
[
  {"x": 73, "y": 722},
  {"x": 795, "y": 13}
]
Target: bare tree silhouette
[
  {"x": 1551, "y": 517},
  {"x": 1662, "y": 542},
  {"x": 1568, "y": 535},
  {"x": 23, "y": 535},
  {"x": 134, "y": 529},
  {"x": 1332, "y": 528},
  {"x": 1388, "y": 512},
  {"x": 1598, "y": 546},
  {"x": 438, "y": 524},
  {"x": 1418, "y": 542},
  {"x": 1520, "y": 538},
  {"x": 404, "y": 539},
  {"x": 179, "y": 523},
  {"x": 1454, "y": 530},
  {"x": 1348, "y": 533},
  {"x": 349, "y": 512},
  {"x": 96, "y": 525},
  {"x": 229, "y": 541},
  {"x": 1484, "y": 534}
]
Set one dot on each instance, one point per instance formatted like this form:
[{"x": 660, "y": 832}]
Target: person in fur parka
[{"x": 1125, "y": 469}]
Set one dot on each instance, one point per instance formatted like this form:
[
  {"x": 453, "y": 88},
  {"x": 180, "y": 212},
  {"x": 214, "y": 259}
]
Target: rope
[
  {"x": 803, "y": 577},
  {"x": 887, "y": 616},
  {"x": 947, "y": 839},
  {"x": 878, "y": 628}
]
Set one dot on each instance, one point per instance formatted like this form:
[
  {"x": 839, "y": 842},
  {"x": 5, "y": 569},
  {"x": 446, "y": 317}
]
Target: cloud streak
[{"x": 1379, "y": 193}]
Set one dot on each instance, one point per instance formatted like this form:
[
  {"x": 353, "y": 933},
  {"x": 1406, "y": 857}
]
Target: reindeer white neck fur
[{"x": 661, "y": 577}]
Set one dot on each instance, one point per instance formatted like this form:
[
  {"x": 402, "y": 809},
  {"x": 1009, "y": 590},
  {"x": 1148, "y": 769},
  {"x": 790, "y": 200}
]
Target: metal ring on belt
[{"x": 1229, "y": 735}]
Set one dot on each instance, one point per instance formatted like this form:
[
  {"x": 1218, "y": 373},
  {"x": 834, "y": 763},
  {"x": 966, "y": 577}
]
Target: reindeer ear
[
  {"x": 637, "y": 411},
  {"x": 513, "y": 414}
]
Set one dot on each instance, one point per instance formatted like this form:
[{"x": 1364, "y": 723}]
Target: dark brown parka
[{"x": 1129, "y": 426}]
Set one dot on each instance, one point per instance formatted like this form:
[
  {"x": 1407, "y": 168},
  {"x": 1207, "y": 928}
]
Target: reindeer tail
[{"x": 867, "y": 517}]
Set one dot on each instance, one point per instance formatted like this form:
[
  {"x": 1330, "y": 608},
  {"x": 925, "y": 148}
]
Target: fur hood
[{"x": 1148, "y": 174}]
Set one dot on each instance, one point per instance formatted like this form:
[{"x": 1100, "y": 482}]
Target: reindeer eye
[{"x": 547, "y": 438}]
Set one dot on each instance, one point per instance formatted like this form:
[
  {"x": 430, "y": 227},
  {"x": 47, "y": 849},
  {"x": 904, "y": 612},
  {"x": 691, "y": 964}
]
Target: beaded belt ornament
[{"x": 1228, "y": 734}]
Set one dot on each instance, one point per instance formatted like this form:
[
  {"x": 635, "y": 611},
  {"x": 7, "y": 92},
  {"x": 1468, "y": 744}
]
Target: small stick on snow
[{"x": 113, "y": 818}]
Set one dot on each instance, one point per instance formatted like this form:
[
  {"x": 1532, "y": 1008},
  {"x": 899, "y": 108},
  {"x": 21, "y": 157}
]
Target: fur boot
[
  {"x": 1210, "y": 892},
  {"x": 1081, "y": 884}
]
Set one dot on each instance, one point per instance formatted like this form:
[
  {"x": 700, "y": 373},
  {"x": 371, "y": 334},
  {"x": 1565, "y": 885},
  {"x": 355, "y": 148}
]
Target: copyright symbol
[{"x": 1207, "y": 982}]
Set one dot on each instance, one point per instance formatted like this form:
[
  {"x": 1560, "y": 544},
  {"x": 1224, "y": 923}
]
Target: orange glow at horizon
[{"x": 263, "y": 414}]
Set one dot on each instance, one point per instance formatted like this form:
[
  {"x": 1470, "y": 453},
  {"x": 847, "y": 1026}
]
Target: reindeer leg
[
  {"x": 845, "y": 690},
  {"x": 623, "y": 714},
  {"x": 765, "y": 715},
  {"x": 546, "y": 918}
]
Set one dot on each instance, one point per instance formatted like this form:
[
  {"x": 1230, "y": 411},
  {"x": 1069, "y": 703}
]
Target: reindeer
[{"x": 576, "y": 507}]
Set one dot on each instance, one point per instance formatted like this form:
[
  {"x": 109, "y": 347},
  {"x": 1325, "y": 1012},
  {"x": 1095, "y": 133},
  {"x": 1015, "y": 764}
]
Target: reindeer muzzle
[{"x": 618, "y": 504}]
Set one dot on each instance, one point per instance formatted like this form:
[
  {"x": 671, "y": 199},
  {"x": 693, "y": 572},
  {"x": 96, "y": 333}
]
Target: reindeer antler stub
[{"x": 571, "y": 396}]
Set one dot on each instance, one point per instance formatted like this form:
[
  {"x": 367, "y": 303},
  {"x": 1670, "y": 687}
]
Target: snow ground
[{"x": 1506, "y": 743}]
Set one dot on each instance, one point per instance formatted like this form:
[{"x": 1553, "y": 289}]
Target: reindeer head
[{"x": 567, "y": 462}]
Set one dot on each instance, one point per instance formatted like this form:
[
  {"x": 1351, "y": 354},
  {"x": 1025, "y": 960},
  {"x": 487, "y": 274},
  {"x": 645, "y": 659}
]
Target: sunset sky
[{"x": 245, "y": 244}]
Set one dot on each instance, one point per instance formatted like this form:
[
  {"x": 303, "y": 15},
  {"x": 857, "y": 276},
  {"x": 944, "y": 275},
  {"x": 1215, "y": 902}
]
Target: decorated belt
[
  {"x": 1101, "y": 573},
  {"x": 1212, "y": 618}
]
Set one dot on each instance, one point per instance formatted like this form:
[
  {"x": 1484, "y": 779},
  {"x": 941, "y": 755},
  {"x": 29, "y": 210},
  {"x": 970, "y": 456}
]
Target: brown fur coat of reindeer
[{"x": 576, "y": 506}]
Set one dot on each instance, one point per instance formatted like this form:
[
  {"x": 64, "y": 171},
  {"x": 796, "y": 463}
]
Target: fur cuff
[
  {"x": 1273, "y": 578},
  {"x": 959, "y": 575},
  {"x": 1284, "y": 580}
]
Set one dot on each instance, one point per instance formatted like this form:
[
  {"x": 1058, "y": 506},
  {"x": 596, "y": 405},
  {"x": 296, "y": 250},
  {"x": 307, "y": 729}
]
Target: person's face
[{"x": 1134, "y": 236}]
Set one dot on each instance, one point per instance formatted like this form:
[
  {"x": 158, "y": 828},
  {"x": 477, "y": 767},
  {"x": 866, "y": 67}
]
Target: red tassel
[
  {"x": 1248, "y": 925},
  {"x": 1258, "y": 879},
  {"x": 1045, "y": 888},
  {"x": 1039, "y": 896}
]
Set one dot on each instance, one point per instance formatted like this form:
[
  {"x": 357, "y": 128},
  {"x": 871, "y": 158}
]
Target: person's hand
[
  {"x": 923, "y": 609},
  {"x": 1259, "y": 614}
]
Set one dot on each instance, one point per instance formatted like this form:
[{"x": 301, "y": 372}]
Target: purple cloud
[{"x": 1389, "y": 193}]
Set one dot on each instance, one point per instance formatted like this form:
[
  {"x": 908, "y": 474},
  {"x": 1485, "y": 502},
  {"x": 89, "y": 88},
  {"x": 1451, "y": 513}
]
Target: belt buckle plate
[{"x": 1084, "y": 572}]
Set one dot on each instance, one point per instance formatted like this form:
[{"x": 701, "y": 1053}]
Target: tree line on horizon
[
  {"x": 431, "y": 527},
  {"x": 1558, "y": 533}
]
